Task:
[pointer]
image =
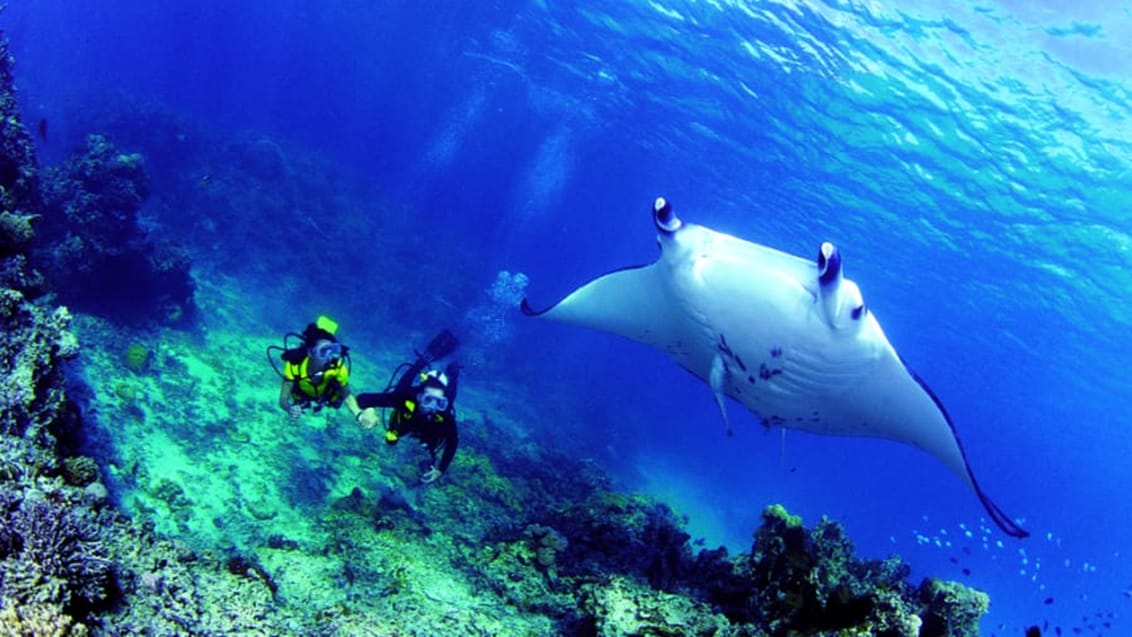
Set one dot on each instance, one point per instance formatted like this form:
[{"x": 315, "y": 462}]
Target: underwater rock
[
  {"x": 80, "y": 471},
  {"x": 248, "y": 568},
  {"x": 92, "y": 248},
  {"x": 622, "y": 533},
  {"x": 16, "y": 232},
  {"x": 546, "y": 543},
  {"x": 136, "y": 357},
  {"x": 625, "y": 607}
]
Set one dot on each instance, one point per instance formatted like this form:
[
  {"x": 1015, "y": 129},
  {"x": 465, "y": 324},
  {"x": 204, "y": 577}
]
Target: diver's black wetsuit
[{"x": 438, "y": 433}]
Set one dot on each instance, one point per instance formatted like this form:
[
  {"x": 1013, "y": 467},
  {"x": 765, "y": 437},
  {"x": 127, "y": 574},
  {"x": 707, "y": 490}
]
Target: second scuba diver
[{"x": 423, "y": 404}]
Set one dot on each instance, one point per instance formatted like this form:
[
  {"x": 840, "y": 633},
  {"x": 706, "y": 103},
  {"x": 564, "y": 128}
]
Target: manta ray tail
[{"x": 1000, "y": 518}]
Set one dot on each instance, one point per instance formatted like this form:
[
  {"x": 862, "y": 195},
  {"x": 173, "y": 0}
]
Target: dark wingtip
[
  {"x": 526, "y": 309},
  {"x": 1003, "y": 521}
]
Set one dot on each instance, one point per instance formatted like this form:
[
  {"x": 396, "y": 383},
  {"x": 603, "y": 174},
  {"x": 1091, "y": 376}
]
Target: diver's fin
[
  {"x": 718, "y": 381},
  {"x": 441, "y": 345}
]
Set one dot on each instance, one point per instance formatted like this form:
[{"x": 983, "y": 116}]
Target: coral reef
[
  {"x": 34, "y": 344},
  {"x": 93, "y": 250},
  {"x": 35, "y": 339},
  {"x": 799, "y": 581},
  {"x": 39, "y": 619},
  {"x": 19, "y": 189},
  {"x": 53, "y": 555},
  {"x": 19, "y": 174}
]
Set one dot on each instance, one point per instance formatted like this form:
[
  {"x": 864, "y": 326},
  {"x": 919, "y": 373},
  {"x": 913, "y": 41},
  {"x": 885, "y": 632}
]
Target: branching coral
[
  {"x": 46, "y": 620},
  {"x": 55, "y": 556}
]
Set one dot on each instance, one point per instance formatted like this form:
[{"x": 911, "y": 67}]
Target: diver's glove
[
  {"x": 367, "y": 418},
  {"x": 440, "y": 346},
  {"x": 430, "y": 476}
]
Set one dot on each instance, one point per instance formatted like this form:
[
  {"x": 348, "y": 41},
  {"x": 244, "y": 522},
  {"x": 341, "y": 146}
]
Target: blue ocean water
[{"x": 971, "y": 161}]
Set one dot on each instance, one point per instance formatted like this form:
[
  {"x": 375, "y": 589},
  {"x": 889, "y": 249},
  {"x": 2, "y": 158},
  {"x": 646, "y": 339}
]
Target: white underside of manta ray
[{"x": 789, "y": 338}]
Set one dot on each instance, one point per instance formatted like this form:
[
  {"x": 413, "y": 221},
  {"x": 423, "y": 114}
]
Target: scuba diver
[
  {"x": 423, "y": 403},
  {"x": 316, "y": 371}
]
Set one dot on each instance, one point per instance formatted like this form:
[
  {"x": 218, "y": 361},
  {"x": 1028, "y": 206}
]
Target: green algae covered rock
[
  {"x": 136, "y": 358},
  {"x": 776, "y": 515}
]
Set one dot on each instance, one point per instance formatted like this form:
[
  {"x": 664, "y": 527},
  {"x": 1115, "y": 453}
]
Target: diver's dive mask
[
  {"x": 327, "y": 353},
  {"x": 433, "y": 403}
]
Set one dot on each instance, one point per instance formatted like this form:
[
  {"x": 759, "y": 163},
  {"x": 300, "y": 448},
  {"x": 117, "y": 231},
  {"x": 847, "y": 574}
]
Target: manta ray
[{"x": 789, "y": 338}]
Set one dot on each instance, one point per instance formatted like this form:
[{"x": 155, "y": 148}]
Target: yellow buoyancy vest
[{"x": 329, "y": 387}]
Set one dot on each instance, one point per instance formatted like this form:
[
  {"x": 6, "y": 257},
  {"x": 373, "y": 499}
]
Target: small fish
[
  {"x": 41, "y": 128},
  {"x": 1033, "y": 631},
  {"x": 1048, "y": 601},
  {"x": 966, "y": 571}
]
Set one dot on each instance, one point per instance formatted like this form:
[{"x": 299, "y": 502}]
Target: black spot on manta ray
[
  {"x": 776, "y": 352},
  {"x": 740, "y": 361},
  {"x": 724, "y": 347},
  {"x": 750, "y": 379},
  {"x": 766, "y": 373}
]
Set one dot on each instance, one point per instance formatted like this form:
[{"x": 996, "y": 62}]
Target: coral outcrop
[
  {"x": 799, "y": 581},
  {"x": 93, "y": 249},
  {"x": 624, "y": 606}
]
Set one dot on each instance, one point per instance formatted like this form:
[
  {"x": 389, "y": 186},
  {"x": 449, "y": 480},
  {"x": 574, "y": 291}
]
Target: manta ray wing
[
  {"x": 630, "y": 302},
  {"x": 788, "y": 338}
]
